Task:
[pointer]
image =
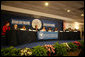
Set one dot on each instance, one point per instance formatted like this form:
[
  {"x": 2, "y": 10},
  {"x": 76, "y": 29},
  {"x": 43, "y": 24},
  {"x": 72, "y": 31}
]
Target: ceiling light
[
  {"x": 68, "y": 10},
  {"x": 46, "y": 4},
  {"x": 82, "y": 14}
]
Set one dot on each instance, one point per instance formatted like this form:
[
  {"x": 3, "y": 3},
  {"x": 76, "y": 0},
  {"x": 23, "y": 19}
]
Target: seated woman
[
  {"x": 43, "y": 29},
  {"x": 56, "y": 30},
  {"x": 23, "y": 28},
  {"x": 49, "y": 29}
]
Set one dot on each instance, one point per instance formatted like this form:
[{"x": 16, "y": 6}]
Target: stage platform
[{"x": 33, "y": 44}]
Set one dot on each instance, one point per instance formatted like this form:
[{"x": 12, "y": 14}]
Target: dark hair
[{"x": 6, "y": 22}]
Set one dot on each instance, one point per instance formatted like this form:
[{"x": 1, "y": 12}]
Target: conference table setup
[
  {"x": 19, "y": 37},
  {"x": 42, "y": 28}
]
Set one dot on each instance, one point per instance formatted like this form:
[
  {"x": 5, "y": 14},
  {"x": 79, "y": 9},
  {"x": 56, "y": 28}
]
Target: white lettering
[
  {"x": 20, "y": 22},
  {"x": 45, "y": 24}
]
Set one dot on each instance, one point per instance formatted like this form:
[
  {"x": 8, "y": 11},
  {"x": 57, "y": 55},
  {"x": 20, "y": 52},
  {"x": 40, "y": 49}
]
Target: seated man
[
  {"x": 49, "y": 29},
  {"x": 56, "y": 30},
  {"x": 36, "y": 27},
  {"x": 75, "y": 30},
  {"x": 43, "y": 29},
  {"x": 66, "y": 30},
  {"x": 23, "y": 28},
  {"x": 15, "y": 27},
  {"x": 70, "y": 30}
]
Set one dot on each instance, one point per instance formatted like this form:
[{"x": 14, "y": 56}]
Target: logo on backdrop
[
  {"x": 41, "y": 35},
  {"x": 47, "y": 35},
  {"x": 36, "y": 22}
]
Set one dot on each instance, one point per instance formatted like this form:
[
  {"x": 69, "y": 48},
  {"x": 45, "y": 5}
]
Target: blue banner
[
  {"x": 48, "y": 23},
  {"x": 47, "y": 35},
  {"x": 20, "y": 22}
]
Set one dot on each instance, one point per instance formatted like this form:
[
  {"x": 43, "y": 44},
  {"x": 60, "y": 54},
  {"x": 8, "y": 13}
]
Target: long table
[
  {"x": 69, "y": 35},
  {"x": 17, "y": 37}
]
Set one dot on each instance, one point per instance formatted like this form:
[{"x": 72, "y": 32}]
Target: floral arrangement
[
  {"x": 82, "y": 44},
  {"x": 49, "y": 48},
  {"x": 45, "y": 50},
  {"x": 77, "y": 43},
  {"x": 25, "y": 52},
  {"x": 67, "y": 46},
  {"x": 73, "y": 46}
]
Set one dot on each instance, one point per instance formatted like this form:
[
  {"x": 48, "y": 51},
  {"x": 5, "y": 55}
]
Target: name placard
[{"x": 47, "y": 35}]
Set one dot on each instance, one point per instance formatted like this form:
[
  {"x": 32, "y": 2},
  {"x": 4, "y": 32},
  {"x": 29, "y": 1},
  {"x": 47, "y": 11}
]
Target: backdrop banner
[{"x": 47, "y": 35}]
